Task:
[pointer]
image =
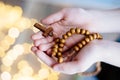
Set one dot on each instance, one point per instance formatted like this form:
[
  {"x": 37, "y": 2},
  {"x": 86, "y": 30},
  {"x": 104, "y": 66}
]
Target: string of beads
[{"x": 59, "y": 43}]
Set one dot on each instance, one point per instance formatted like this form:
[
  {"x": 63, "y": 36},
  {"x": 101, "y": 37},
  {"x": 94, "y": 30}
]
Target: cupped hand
[{"x": 61, "y": 22}]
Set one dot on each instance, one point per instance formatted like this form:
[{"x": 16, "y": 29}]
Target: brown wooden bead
[
  {"x": 57, "y": 40},
  {"x": 87, "y": 32},
  {"x": 94, "y": 36},
  {"x": 61, "y": 45},
  {"x": 55, "y": 50},
  {"x": 91, "y": 37},
  {"x": 55, "y": 46},
  {"x": 60, "y": 59},
  {"x": 64, "y": 36},
  {"x": 80, "y": 45},
  {"x": 99, "y": 36},
  {"x": 53, "y": 53},
  {"x": 72, "y": 30},
  {"x": 87, "y": 39},
  {"x": 69, "y": 34},
  {"x": 60, "y": 49},
  {"x": 59, "y": 54},
  {"x": 77, "y": 30},
  {"x": 83, "y": 42},
  {"x": 76, "y": 48},
  {"x": 82, "y": 31},
  {"x": 62, "y": 40}
]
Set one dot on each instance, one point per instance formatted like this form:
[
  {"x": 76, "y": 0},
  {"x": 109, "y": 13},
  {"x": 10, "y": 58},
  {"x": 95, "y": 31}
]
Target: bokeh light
[
  {"x": 43, "y": 73},
  {"x": 6, "y": 76},
  {"x": 13, "y": 32}
]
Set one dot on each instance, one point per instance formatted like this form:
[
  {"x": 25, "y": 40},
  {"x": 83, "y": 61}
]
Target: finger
[
  {"x": 34, "y": 49},
  {"x": 67, "y": 67},
  {"x": 53, "y": 18},
  {"x": 49, "y": 51},
  {"x": 37, "y": 42},
  {"x": 37, "y": 36},
  {"x": 44, "y": 47},
  {"x": 45, "y": 58}
]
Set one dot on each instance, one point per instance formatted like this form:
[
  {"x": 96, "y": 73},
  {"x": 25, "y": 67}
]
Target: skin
[{"x": 97, "y": 50}]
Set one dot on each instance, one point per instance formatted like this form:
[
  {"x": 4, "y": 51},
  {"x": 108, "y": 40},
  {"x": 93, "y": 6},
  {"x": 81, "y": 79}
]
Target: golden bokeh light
[
  {"x": 7, "y": 61},
  {"x": 9, "y": 15},
  {"x": 43, "y": 73},
  {"x": 9, "y": 39},
  {"x": 5, "y": 68},
  {"x": 23, "y": 23},
  {"x": 2, "y": 52},
  {"x": 18, "y": 49},
  {"x": 13, "y": 32},
  {"x": 26, "y": 71}
]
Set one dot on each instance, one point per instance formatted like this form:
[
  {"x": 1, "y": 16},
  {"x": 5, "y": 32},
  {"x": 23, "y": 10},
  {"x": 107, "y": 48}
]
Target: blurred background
[{"x": 17, "y": 17}]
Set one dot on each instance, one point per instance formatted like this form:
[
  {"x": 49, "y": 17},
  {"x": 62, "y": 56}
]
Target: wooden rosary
[{"x": 57, "y": 48}]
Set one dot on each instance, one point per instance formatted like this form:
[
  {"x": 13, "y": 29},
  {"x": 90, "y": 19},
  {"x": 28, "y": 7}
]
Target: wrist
[
  {"x": 100, "y": 49},
  {"x": 112, "y": 53},
  {"x": 98, "y": 21},
  {"x": 105, "y": 21}
]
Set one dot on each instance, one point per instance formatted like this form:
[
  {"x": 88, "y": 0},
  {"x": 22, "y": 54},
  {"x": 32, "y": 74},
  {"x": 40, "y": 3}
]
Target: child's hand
[{"x": 71, "y": 17}]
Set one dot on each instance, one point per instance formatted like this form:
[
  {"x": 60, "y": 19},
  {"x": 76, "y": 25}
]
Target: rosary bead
[
  {"x": 83, "y": 43},
  {"x": 57, "y": 40},
  {"x": 59, "y": 54},
  {"x": 55, "y": 50},
  {"x": 95, "y": 36},
  {"x": 62, "y": 40},
  {"x": 64, "y": 36},
  {"x": 68, "y": 34},
  {"x": 87, "y": 39},
  {"x": 55, "y": 46},
  {"x": 53, "y": 53},
  {"x": 77, "y": 30},
  {"x": 87, "y": 32},
  {"x": 76, "y": 48},
  {"x": 80, "y": 45},
  {"x": 99, "y": 36},
  {"x": 60, "y": 49},
  {"x": 72, "y": 30},
  {"x": 60, "y": 59},
  {"x": 61, "y": 45},
  {"x": 82, "y": 31},
  {"x": 91, "y": 37}
]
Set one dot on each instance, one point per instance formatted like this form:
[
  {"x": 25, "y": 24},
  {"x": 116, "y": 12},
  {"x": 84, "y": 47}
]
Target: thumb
[
  {"x": 53, "y": 18},
  {"x": 67, "y": 67}
]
